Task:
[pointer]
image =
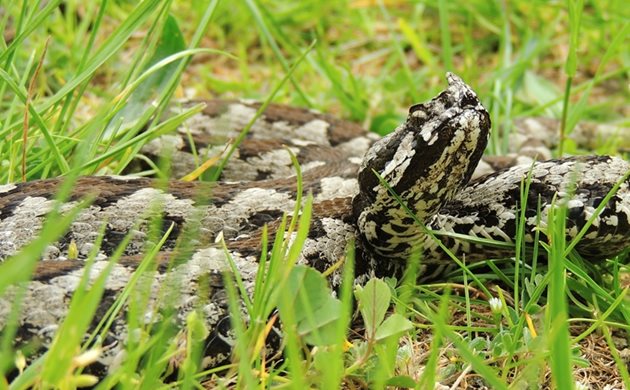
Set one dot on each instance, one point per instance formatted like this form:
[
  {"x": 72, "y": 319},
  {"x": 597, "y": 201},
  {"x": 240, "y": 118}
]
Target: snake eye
[
  {"x": 469, "y": 100},
  {"x": 416, "y": 107}
]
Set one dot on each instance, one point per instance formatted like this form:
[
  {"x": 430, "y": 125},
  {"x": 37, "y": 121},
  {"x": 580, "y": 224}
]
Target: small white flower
[
  {"x": 495, "y": 305},
  {"x": 581, "y": 386}
]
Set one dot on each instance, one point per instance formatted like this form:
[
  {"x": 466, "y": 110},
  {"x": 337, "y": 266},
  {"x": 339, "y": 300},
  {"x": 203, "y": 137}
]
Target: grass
[{"x": 81, "y": 86}]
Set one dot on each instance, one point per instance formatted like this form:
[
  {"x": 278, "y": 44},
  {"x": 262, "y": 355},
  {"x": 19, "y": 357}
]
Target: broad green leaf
[
  {"x": 374, "y": 301},
  {"x": 305, "y": 287},
  {"x": 321, "y": 327},
  {"x": 393, "y": 325},
  {"x": 312, "y": 305}
]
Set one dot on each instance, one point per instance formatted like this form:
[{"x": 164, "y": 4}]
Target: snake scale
[{"x": 428, "y": 161}]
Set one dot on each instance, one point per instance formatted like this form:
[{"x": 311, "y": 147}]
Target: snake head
[{"x": 425, "y": 161}]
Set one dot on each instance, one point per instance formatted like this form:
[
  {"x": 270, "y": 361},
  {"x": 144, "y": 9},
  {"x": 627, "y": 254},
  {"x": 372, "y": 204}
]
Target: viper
[{"x": 424, "y": 188}]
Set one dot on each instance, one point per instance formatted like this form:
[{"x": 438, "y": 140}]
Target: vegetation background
[{"x": 81, "y": 84}]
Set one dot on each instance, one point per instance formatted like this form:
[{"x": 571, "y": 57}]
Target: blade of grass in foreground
[
  {"x": 427, "y": 380},
  {"x": 557, "y": 326},
  {"x": 293, "y": 344},
  {"x": 331, "y": 358},
  {"x": 245, "y": 377}
]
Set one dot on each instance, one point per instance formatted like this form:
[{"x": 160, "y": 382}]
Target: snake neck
[{"x": 425, "y": 162}]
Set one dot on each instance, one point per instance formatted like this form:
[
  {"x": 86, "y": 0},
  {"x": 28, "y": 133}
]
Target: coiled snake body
[{"x": 428, "y": 162}]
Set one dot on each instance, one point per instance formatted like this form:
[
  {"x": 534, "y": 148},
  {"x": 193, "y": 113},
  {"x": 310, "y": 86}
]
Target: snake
[{"x": 426, "y": 188}]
